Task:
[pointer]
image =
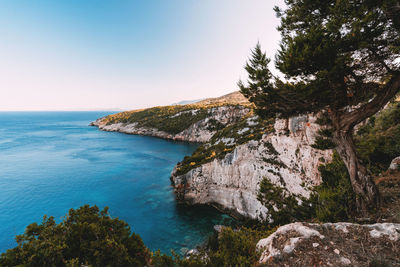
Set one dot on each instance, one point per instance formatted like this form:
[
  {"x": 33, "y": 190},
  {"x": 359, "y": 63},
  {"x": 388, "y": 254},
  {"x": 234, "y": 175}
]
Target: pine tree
[{"x": 340, "y": 57}]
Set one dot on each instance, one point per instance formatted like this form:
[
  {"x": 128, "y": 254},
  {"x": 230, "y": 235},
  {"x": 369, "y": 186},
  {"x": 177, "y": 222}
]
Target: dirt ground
[{"x": 389, "y": 188}]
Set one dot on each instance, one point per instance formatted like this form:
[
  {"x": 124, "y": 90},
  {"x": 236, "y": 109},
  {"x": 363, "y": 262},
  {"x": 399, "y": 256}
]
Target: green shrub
[
  {"x": 161, "y": 260},
  {"x": 334, "y": 198},
  {"x": 326, "y": 132},
  {"x": 323, "y": 143},
  {"x": 378, "y": 141},
  {"x": 236, "y": 248},
  {"x": 332, "y": 201},
  {"x": 214, "y": 125},
  {"x": 86, "y": 236},
  {"x": 229, "y": 248},
  {"x": 283, "y": 207}
]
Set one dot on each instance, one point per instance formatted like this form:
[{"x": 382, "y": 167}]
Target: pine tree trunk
[{"x": 367, "y": 194}]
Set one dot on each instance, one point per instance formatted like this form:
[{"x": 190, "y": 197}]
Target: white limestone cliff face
[
  {"x": 232, "y": 183},
  {"x": 200, "y": 131}
]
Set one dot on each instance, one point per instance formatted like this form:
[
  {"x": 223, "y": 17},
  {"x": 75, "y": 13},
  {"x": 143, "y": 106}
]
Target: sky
[{"x": 127, "y": 54}]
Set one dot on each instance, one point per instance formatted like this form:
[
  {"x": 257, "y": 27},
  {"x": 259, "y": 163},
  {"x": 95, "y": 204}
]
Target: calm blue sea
[{"x": 53, "y": 161}]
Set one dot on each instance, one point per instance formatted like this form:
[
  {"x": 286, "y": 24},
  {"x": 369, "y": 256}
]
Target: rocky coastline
[
  {"x": 231, "y": 183},
  {"x": 199, "y": 132}
]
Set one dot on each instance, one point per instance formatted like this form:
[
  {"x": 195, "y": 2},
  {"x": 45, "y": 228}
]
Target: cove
[{"x": 53, "y": 161}]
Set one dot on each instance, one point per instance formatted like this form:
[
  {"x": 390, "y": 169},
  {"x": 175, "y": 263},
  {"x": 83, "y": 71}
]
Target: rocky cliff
[
  {"x": 239, "y": 150},
  {"x": 230, "y": 181},
  {"x": 200, "y": 130},
  {"x": 194, "y": 123}
]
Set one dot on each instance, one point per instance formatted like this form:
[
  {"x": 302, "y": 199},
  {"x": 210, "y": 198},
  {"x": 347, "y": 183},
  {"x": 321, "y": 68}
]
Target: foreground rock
[
  {"x": 395, "y": 164},
  {"x": 332, "y": 244},
  {"x": 285, "y": 157}
]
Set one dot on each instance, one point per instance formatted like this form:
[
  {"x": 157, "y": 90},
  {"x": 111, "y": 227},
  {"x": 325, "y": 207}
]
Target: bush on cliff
[
  {"x": 283, "y": 207},
  {"x": 86, "y": 236},
  {"x": 334, "y": 200},
  {"x": 236, "y": 248},
  {"x": 228, "y": 248},
  {"x": 247, "y": 129},
  {"x": 378, "y": 141}
]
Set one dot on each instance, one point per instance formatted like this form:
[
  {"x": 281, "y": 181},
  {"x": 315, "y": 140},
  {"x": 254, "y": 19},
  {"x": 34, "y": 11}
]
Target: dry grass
[
  {"x": 389, "y": 187},
  {"x": 338, "y": 247}
]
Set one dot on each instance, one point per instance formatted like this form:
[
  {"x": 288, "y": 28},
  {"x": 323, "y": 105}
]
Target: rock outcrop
[
  {"x": 332, "y": 244},
  {"x": 200, "y": 131},
  {"x": 231, "y": 184},
  {"x": 395, "y": 164}
]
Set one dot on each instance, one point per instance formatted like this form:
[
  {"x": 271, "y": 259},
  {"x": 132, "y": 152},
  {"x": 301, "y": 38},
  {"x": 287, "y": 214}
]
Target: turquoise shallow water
[{"x": 52, "y": 161}]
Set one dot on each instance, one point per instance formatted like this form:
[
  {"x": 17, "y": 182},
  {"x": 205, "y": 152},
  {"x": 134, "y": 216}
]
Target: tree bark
[{"x": 367, "y": 194}]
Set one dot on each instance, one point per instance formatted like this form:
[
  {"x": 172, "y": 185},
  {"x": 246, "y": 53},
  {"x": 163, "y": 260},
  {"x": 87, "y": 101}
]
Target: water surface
[{"x": 52, "y": 161}]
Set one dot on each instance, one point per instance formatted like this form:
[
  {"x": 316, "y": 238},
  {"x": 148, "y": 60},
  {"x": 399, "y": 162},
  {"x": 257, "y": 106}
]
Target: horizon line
[{"x": 62, "y": 110}]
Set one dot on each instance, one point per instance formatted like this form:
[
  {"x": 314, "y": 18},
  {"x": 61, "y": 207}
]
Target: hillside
[
  {"x": 193, "y": 122},
  {"x": 231, "y": 98}
]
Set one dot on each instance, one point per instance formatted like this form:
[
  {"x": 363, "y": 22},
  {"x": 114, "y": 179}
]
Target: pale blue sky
[{"x": 101, "y": 54}]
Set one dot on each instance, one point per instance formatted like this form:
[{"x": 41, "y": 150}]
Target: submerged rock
[
  {"x": 218, "y": 228},
  {"x": 193, "y": 251}
]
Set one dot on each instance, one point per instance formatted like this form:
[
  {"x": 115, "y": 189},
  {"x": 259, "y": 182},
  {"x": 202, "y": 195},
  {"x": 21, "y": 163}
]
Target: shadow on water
[{"x": 203, "y": 214}]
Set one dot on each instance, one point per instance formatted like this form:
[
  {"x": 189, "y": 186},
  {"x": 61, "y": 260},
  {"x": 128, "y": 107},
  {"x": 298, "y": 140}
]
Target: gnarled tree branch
[{"x": 347, "y": 120}]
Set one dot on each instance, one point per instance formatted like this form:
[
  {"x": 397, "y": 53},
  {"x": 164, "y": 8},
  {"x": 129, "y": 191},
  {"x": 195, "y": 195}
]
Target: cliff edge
[{"x": 226, "y": 172}]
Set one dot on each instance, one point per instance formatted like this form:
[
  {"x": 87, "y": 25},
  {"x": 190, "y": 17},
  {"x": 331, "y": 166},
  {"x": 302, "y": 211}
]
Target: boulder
[
  {"x": 395, "y": 164},
  {"x": 332, "y": 244}
]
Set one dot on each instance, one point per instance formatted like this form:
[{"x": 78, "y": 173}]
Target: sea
[{"x": 51, "y": 162}]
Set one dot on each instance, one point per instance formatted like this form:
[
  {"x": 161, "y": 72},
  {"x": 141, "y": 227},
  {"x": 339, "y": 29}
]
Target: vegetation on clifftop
[
  {"x": 175, "y": 119},
  {"x": 170, "y": 119},
  {"x": 225, "y": 141}
]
